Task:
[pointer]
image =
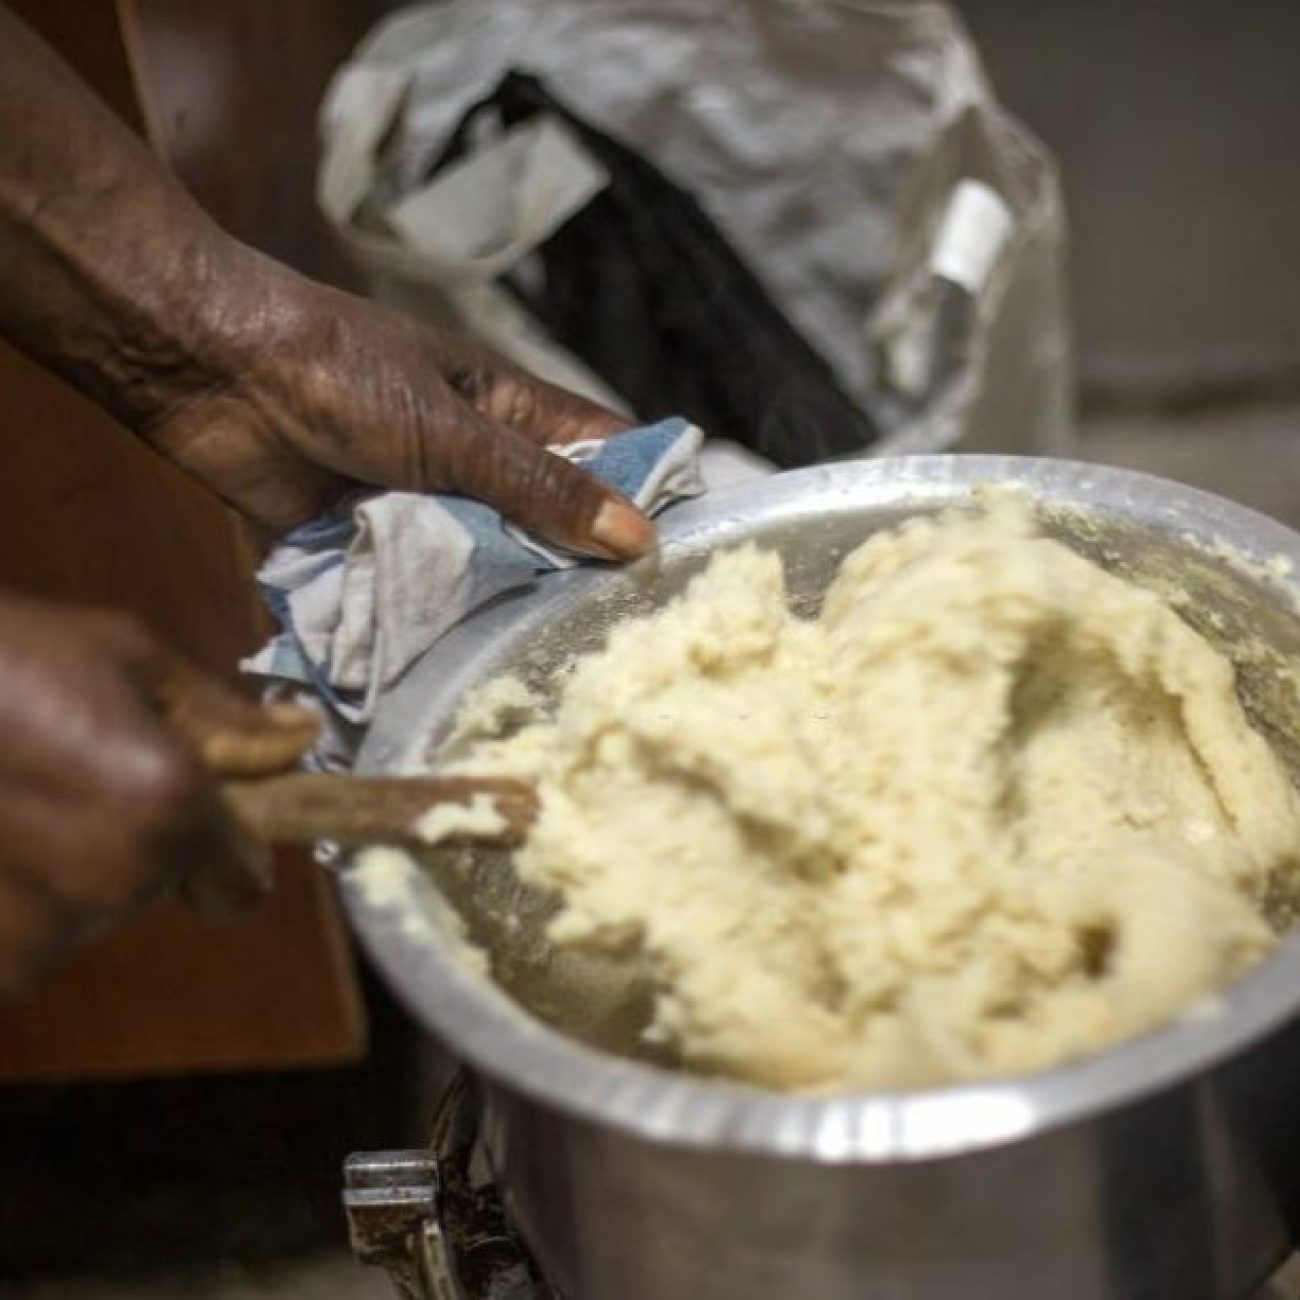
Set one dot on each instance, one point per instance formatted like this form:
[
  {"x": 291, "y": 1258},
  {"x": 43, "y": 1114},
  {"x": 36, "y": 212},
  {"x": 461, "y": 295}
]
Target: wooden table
[{"x": 226, "y": 91}]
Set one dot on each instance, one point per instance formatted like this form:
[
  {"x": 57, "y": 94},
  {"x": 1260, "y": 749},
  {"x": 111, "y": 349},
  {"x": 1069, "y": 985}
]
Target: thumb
[
  {"x": 233, "y": 736},
  {"x": 508, "y": 394},
  {"x": 544, "y": 492}
]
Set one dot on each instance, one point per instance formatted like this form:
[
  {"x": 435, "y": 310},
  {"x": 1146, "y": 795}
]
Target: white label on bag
[{"x": 974, "y": 231}]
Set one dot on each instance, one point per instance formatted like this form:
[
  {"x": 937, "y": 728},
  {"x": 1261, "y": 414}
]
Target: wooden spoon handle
[
  {"x": 252, "y": 749},
  {"x": 303, "y": 807}
]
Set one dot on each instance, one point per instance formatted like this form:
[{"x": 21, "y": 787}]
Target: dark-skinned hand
[
  {"x": 330, "y": 391},
  {"x": 278, "y": 393},
  {"x": 107, "y": 793}
]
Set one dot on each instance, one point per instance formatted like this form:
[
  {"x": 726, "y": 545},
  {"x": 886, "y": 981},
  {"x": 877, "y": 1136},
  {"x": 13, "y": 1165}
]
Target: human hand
[
  {"x": 277, "y": 392},
  {"x": 310, "y": 391},
  {"x": 106, "y": 795}
]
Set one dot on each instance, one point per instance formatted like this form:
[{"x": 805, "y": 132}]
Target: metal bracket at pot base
[
  {"x": 419, "y": 1216},
  {"x": 391, "y": 1200}
]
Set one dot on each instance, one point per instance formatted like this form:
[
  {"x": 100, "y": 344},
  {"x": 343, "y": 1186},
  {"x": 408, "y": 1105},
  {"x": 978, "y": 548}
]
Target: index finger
[{"x": 509, "y": 395}]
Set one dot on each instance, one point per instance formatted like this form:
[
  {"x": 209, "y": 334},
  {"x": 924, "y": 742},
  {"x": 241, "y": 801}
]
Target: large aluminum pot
[{"x": 1166, "y": 1169}]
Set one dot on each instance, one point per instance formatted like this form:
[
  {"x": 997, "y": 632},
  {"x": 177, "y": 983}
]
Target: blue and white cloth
[{"x": 361, "y": 592}]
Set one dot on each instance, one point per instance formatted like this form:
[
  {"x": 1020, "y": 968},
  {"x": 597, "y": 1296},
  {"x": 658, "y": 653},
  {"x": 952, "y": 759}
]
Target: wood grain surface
[{"x": 228, "y": 88}]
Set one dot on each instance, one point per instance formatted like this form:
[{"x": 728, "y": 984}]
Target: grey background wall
[{"x": 1177, "y": 127}]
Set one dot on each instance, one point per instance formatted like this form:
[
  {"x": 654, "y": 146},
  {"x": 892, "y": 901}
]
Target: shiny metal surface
[
  {"x": 1164, "y": 1168},
  {"x": 391, "y": 1199},
  {"x": 470, "y": 1251},
  {"x": 432, "y": 1220}
]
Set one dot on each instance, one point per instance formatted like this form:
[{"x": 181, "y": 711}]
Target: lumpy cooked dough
[{"x": 993, "y": 809}]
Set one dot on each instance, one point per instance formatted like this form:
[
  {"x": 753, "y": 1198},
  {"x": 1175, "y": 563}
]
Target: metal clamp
[
  {"x": 418, "y": 1215},
  {"x": 391, "y": 1199}
]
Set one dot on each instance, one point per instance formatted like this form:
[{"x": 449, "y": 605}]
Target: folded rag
[{"x": 361, "y": 592}]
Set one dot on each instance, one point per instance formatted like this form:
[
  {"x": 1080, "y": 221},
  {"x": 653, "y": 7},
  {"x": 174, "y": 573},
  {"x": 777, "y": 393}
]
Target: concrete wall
[{"x": 1177, "y": 127}]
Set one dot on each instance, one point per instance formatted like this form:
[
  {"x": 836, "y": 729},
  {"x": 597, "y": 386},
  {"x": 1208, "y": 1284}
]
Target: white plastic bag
[{"x": 852, "y": 153}]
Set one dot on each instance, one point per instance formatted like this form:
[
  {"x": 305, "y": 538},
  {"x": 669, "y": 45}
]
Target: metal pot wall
[{"x": 1165, "y": 1169}]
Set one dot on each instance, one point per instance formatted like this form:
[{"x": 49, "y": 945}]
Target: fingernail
[{"x": 623, "y": 531}]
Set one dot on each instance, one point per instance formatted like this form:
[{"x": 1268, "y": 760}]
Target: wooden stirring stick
[
  {"x": 252, "y": 750},
  {"x": 303, "y": 807}
]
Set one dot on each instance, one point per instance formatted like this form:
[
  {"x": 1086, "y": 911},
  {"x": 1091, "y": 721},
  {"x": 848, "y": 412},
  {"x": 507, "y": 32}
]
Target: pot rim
[{"x": 481, "y": 1024}]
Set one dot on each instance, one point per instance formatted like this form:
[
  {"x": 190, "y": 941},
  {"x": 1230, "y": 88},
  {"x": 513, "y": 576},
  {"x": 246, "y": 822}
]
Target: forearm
[
  {"x": 279, "y": 394},
  {"x": 110, "y": 273}
]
